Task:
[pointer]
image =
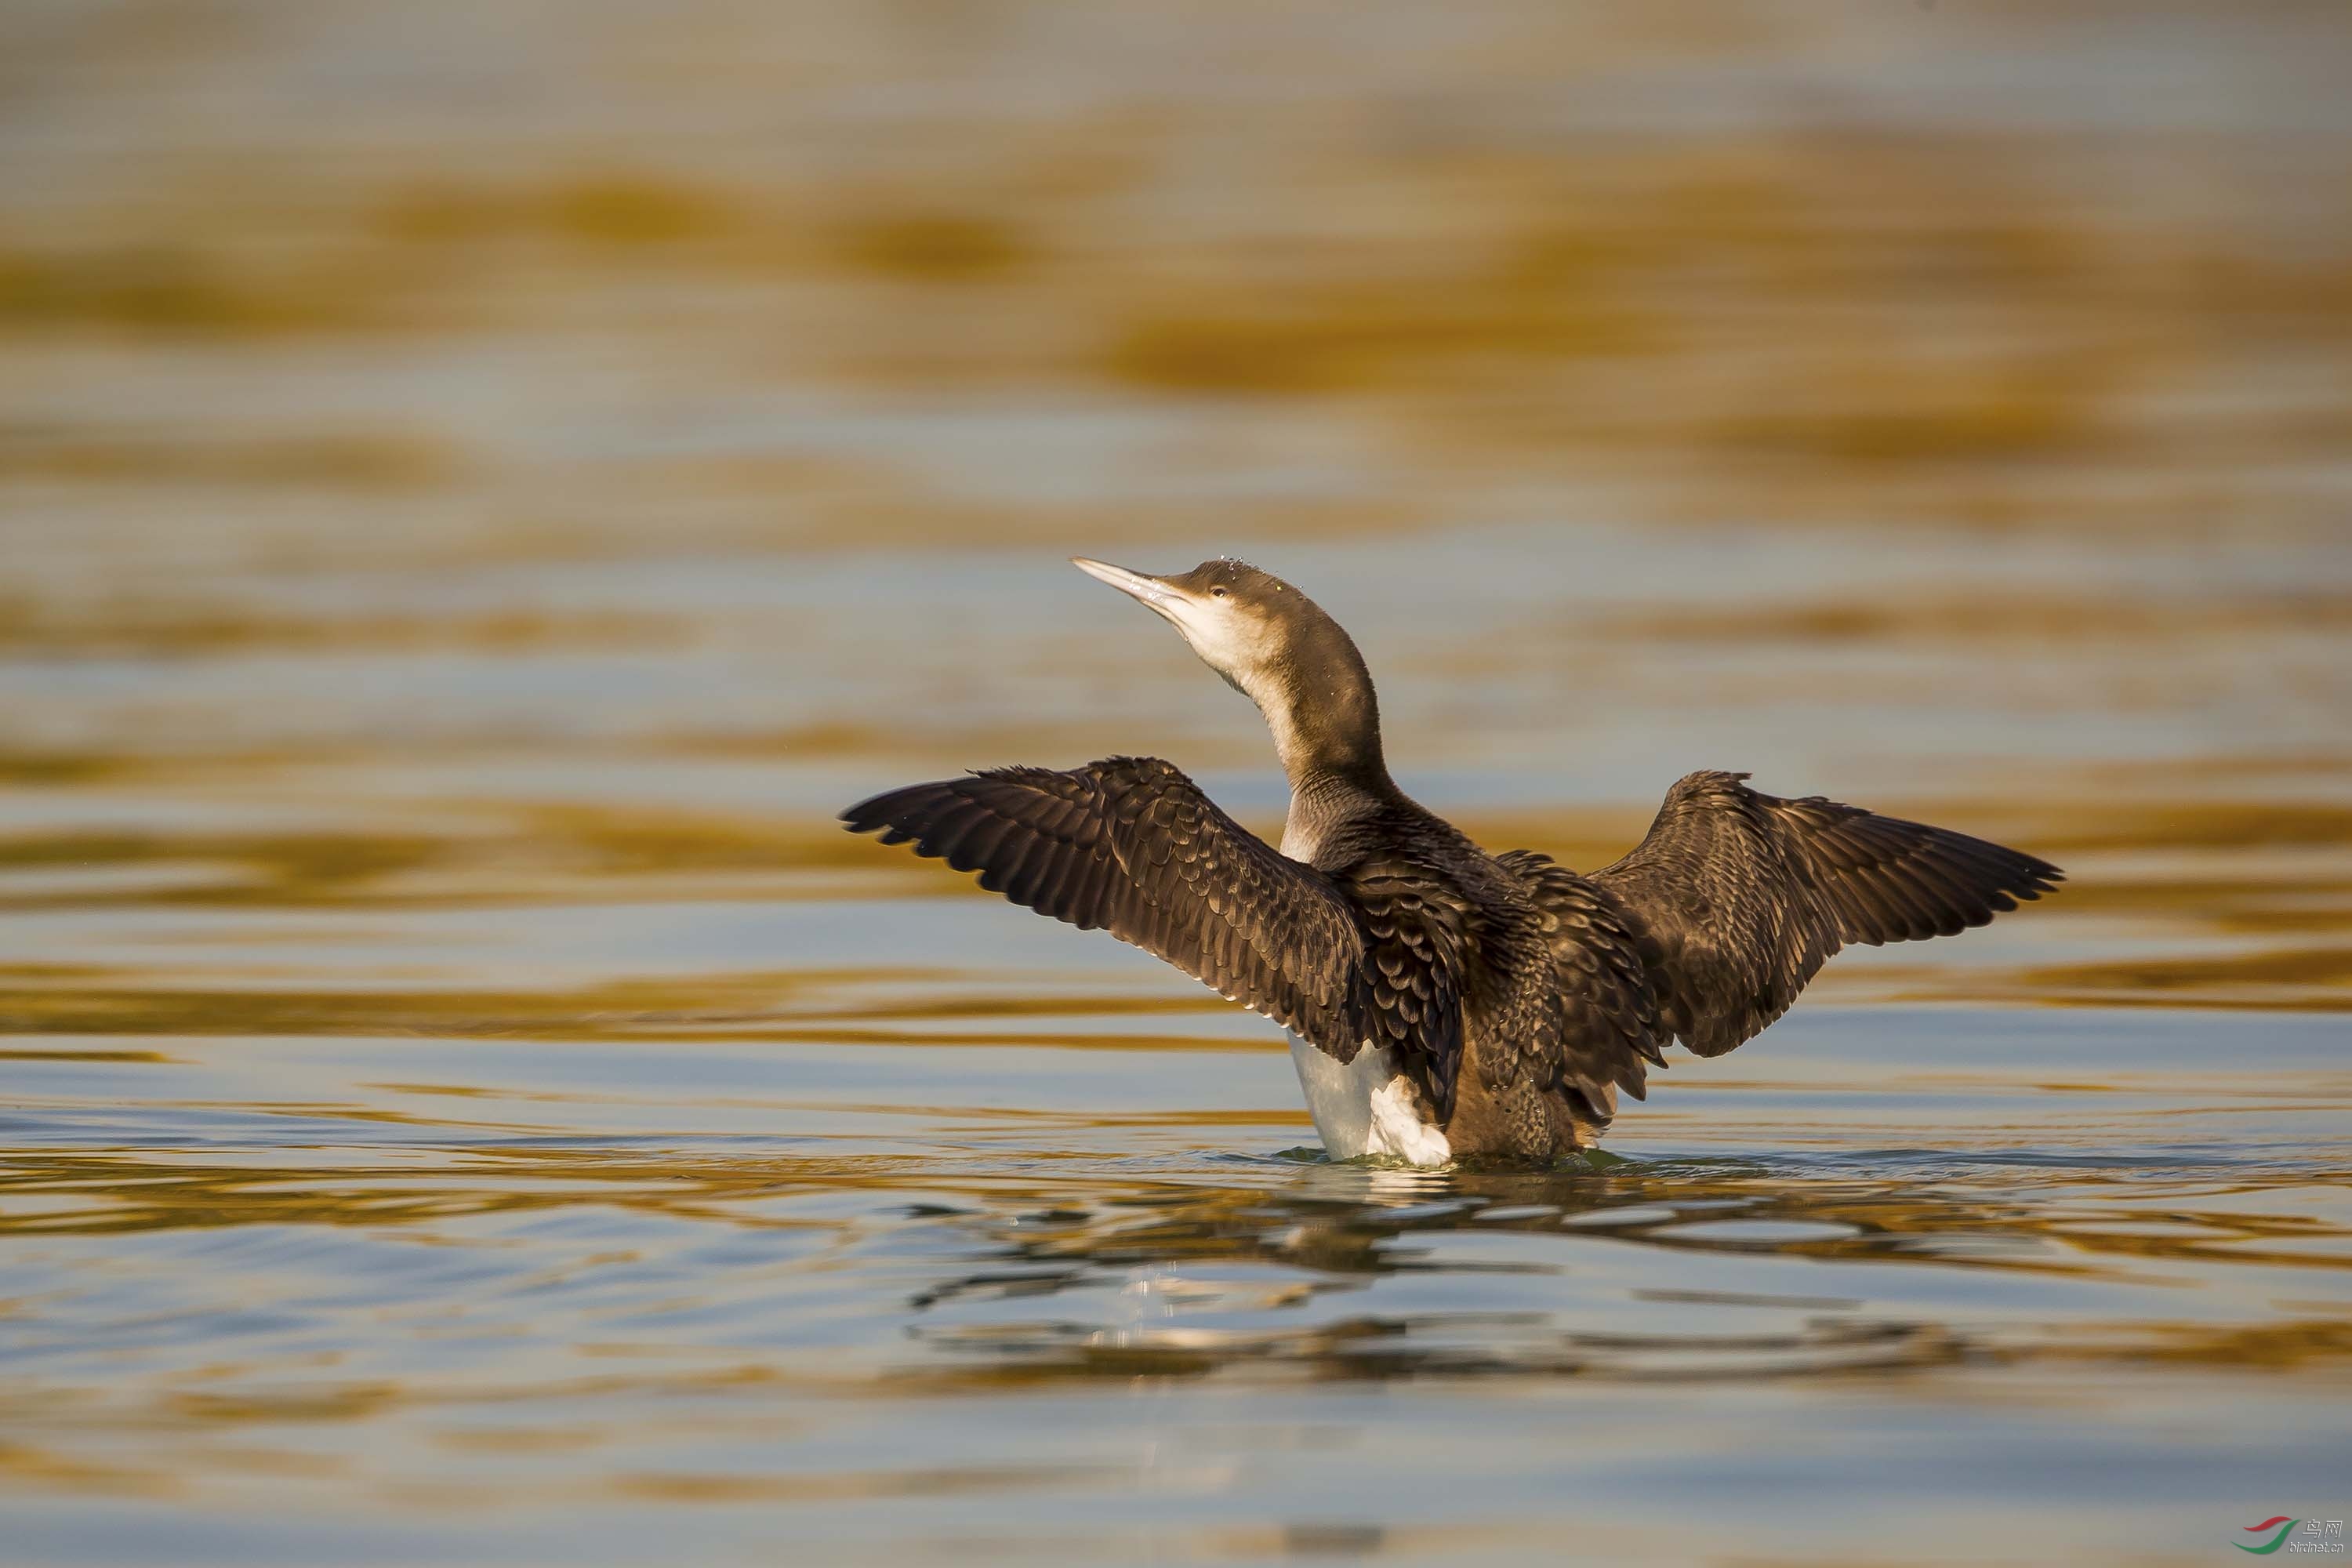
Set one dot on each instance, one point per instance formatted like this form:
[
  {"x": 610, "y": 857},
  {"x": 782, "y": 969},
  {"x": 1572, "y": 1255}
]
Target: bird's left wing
[{"x": 1130, "y": 846}]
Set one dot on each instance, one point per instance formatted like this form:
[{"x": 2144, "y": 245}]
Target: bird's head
[
  {"x": 1241, "y": 622},
  {"x": 1271, "y": 642}
]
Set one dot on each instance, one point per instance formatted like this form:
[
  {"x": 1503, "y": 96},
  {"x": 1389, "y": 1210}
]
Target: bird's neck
[{"x": 1326, "y": 721}]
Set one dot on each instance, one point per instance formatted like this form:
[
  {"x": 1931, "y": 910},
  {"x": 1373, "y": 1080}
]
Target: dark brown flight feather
[
  {"x": 1130, "y": 846},
  {"x": 1737, "y": 897}
]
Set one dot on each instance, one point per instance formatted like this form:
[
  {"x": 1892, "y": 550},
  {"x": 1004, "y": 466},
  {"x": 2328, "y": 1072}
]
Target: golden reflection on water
[
  {"x": 2231, "y": 902},
  {"x": 462, "y": 1097}
]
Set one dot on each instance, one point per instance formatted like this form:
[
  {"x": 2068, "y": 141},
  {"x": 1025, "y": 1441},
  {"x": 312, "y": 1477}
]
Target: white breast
[{"x": 1364, "y": 1107}]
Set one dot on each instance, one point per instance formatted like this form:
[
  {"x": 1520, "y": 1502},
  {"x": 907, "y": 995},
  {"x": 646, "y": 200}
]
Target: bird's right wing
[
  {"x": 1130, "y": 846},
  {"x": 1738, "y": 897}
]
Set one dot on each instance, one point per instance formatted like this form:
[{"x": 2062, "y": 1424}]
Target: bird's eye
[{"x": 1216, "y": 593}]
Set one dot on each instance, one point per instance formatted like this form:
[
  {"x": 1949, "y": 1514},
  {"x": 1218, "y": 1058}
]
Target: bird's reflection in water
[{"x": 1317, "y": 1275}]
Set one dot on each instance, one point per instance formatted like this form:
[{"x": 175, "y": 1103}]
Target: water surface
[{"x": 480, "y": 489}]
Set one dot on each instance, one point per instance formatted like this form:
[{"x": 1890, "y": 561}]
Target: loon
[{"x": 1441, "y": 1003}]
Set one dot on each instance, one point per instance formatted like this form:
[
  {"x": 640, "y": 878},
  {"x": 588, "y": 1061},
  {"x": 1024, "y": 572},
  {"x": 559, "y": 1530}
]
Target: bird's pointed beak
[{"x": 1152, "y": 591}]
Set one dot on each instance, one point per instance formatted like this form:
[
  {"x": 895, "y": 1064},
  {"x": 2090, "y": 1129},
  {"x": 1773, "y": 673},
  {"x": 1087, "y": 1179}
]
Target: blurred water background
[{"x": 480, "y": 485}]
